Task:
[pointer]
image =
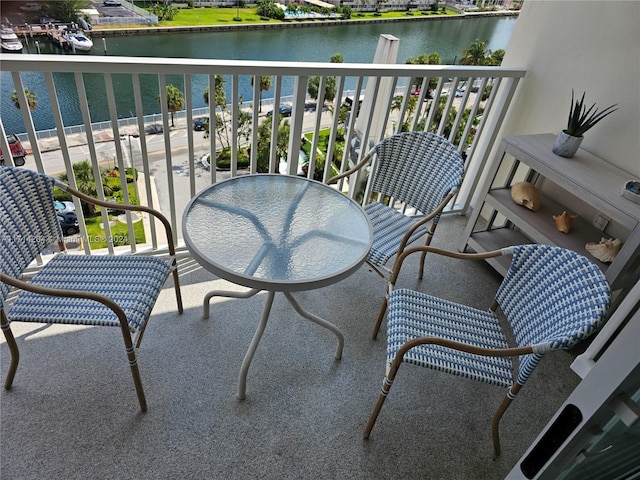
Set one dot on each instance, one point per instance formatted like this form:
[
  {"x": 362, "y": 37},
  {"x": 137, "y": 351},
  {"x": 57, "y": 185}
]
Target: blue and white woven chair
[
  {"x": 418, "y": 172},
  {"x": 101, "y": 290},
  {"x": 552, "y": 299}
]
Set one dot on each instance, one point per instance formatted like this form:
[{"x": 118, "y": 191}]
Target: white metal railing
[{"x": 172, "y": 173}]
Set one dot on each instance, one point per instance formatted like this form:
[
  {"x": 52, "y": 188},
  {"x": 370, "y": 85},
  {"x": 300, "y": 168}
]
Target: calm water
[{"x": 356, "y": 43}]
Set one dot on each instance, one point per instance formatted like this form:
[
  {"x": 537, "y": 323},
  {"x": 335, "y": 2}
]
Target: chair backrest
[
  {"x": 28, "y": 221},
  {"x": 552, "y": 298},
  {"x": 417, "y": 168}
]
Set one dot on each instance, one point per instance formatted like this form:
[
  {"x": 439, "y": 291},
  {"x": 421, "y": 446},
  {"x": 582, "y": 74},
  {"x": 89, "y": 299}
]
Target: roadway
[{"x": 78, "y": 151}]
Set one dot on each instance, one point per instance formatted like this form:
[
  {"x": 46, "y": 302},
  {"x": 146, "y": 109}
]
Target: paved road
[{"x": 180, "y": 177}]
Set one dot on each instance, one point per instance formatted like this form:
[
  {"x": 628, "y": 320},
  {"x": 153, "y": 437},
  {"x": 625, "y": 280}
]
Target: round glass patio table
[{"x": 276, "y": 233}]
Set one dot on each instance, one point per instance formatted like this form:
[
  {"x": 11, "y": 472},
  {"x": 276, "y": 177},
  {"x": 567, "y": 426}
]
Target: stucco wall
[{"x": 588, "y": 46}]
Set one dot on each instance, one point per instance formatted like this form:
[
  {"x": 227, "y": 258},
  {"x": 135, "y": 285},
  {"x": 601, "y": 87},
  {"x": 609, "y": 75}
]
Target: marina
[{"x": 69, "y": 37}]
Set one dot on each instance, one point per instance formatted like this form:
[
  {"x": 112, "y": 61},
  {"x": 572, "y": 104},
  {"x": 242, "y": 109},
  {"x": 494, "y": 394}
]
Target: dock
[
  {"x": 55, "y": 34},
  {"x": 57, "y": 37}
]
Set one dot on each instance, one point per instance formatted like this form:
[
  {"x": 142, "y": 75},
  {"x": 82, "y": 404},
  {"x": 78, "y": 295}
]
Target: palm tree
[
  {"x": 431, "y": 59},
  {"x": 496, "y": 57},
  {"x": 329, "y": 86},
  {"x": 83, "y": 173},
  {"x": 265, "y": 84},
  {"x": 220, "y": 99},
  {"x": 477, "y": 54},
  {"x": 32, "y": 101},
  {"x": 175, "y": 100},
  {"x": 264, "y": 142}
]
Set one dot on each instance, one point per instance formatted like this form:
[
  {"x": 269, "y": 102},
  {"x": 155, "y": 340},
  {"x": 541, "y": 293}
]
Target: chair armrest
[
  {"x": 423, "y": 220},
  {"x": 122, "y": 206},
  {"x": 487, "y": 352},
  {"x": 439, "y": 251},
  {"x": 357, "y": 167}
]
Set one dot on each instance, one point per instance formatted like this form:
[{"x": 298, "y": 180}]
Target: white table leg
[
  {"x": 225, "y": 293},
  {"x": 320, "y": 321},
  {"x": 242, "y": 382}
]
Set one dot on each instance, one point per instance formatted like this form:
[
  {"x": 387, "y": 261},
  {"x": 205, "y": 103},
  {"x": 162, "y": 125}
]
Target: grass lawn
[
  {"x": 201, "y": 16},
  {"x": 119, "y": 232},
  {"x": 213, "y": 16}
]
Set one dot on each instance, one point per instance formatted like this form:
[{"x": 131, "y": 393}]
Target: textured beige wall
[{"x": 588, "y": 46}]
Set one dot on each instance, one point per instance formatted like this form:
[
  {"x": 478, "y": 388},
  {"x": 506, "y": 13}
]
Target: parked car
[
  {"x": 416, "y": 93},
  {"x": 47, "y": 20},
  {"x": 153, "y": 129},
  {"x": 30, "y": 7},
  {"x": 64, "y": 207},
  {"x": 200, "y": 124},
  {"x": 68, "y": 223},
  {"x": 284, "y": 110},
  {"x": 17, "y": 151},
  {"x": 111, "y": 3},
  {"x": 459, "y": 92}
]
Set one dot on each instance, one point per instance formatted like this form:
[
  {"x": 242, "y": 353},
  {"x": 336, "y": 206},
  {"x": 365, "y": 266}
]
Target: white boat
[
  {"x": 79, "y": 41},
  {"x": 9, "y": 41}
]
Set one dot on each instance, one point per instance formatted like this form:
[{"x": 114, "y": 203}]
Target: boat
[
  {"x": 79, "y": 42},
  {"x": 9, "y": 41}
]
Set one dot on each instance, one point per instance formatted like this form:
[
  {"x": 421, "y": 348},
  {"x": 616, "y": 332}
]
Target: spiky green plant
[{"x": 582, "y": 119}]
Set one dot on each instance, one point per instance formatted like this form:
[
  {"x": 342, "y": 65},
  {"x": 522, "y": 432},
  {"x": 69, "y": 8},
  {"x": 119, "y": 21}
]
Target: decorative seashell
[
  {"x": 606, "y": 250},
  {"x": 527, "y": 195},
  {"x": 564, "y": 221}
]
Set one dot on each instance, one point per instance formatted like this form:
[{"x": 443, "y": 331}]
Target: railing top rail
[{"x": 95, "y": 64}]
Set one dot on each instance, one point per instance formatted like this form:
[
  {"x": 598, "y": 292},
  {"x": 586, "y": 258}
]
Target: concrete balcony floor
[{"x": 72, "y": 412}]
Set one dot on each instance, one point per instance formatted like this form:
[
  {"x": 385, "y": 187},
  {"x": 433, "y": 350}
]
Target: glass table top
[{"x": 276, "y": 232}]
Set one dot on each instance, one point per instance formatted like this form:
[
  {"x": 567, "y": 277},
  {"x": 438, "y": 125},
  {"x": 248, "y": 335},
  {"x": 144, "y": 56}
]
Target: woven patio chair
[
  {"x": 100, "y": 290},
  {"x": 551, "y": 299},
  {"x": 415, "y": 175}
]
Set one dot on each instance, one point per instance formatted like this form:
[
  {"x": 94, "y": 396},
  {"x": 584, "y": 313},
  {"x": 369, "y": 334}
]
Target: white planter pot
[{"x": 566, "y": 145}]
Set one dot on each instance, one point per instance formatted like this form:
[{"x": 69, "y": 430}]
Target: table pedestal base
[{"x": 242, "y": 381}]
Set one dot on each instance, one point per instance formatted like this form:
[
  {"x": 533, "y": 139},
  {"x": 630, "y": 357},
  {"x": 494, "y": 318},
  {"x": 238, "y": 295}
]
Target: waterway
[{"x": 356, "y": 43}]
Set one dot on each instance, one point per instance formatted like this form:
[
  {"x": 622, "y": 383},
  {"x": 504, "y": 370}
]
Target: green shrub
[{"x": 223, "y": 159}]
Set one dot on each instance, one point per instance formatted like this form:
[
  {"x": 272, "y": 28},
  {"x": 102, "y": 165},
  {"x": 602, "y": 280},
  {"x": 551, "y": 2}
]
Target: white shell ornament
[
  {"x": 527, "y": 195},
  {"x": 564, "y": 221},
  {"x": 606, "y": 250}
]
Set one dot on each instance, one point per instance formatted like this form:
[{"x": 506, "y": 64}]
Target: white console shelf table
[{"x": 497, "y": 221}]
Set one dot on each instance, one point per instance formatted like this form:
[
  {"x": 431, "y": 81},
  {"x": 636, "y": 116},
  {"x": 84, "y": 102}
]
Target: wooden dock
[
  {"x": 30, "y": 30},
  {"x": 57, "y": 37}
]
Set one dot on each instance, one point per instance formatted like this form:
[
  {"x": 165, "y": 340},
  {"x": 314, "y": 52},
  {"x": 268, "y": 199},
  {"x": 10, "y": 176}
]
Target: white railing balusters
[{"x": 162, "y": 157}]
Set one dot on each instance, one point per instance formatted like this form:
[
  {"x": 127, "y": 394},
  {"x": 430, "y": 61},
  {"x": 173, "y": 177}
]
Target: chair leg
[
  {"x": 133, "y": 361},
  {"x": 383, "y": 310},
  {"x": 386, "y": 386},
  {"x": 137, "y": 381},
  {"x": 511, "y": 394},
  {"x": 13, "y": 348},
  {"x": 427, "y": 242},
  {"x": 176, "y": 284}
]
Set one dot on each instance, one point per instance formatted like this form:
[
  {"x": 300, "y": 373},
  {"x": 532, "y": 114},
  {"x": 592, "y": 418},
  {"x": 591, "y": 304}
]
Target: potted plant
[{"x": 581, "y": 119}]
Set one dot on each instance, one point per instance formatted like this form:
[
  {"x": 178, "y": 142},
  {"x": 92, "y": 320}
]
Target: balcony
[
  {"x": 72, "y": 412},
  {"x": 87, "y": 424}
]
